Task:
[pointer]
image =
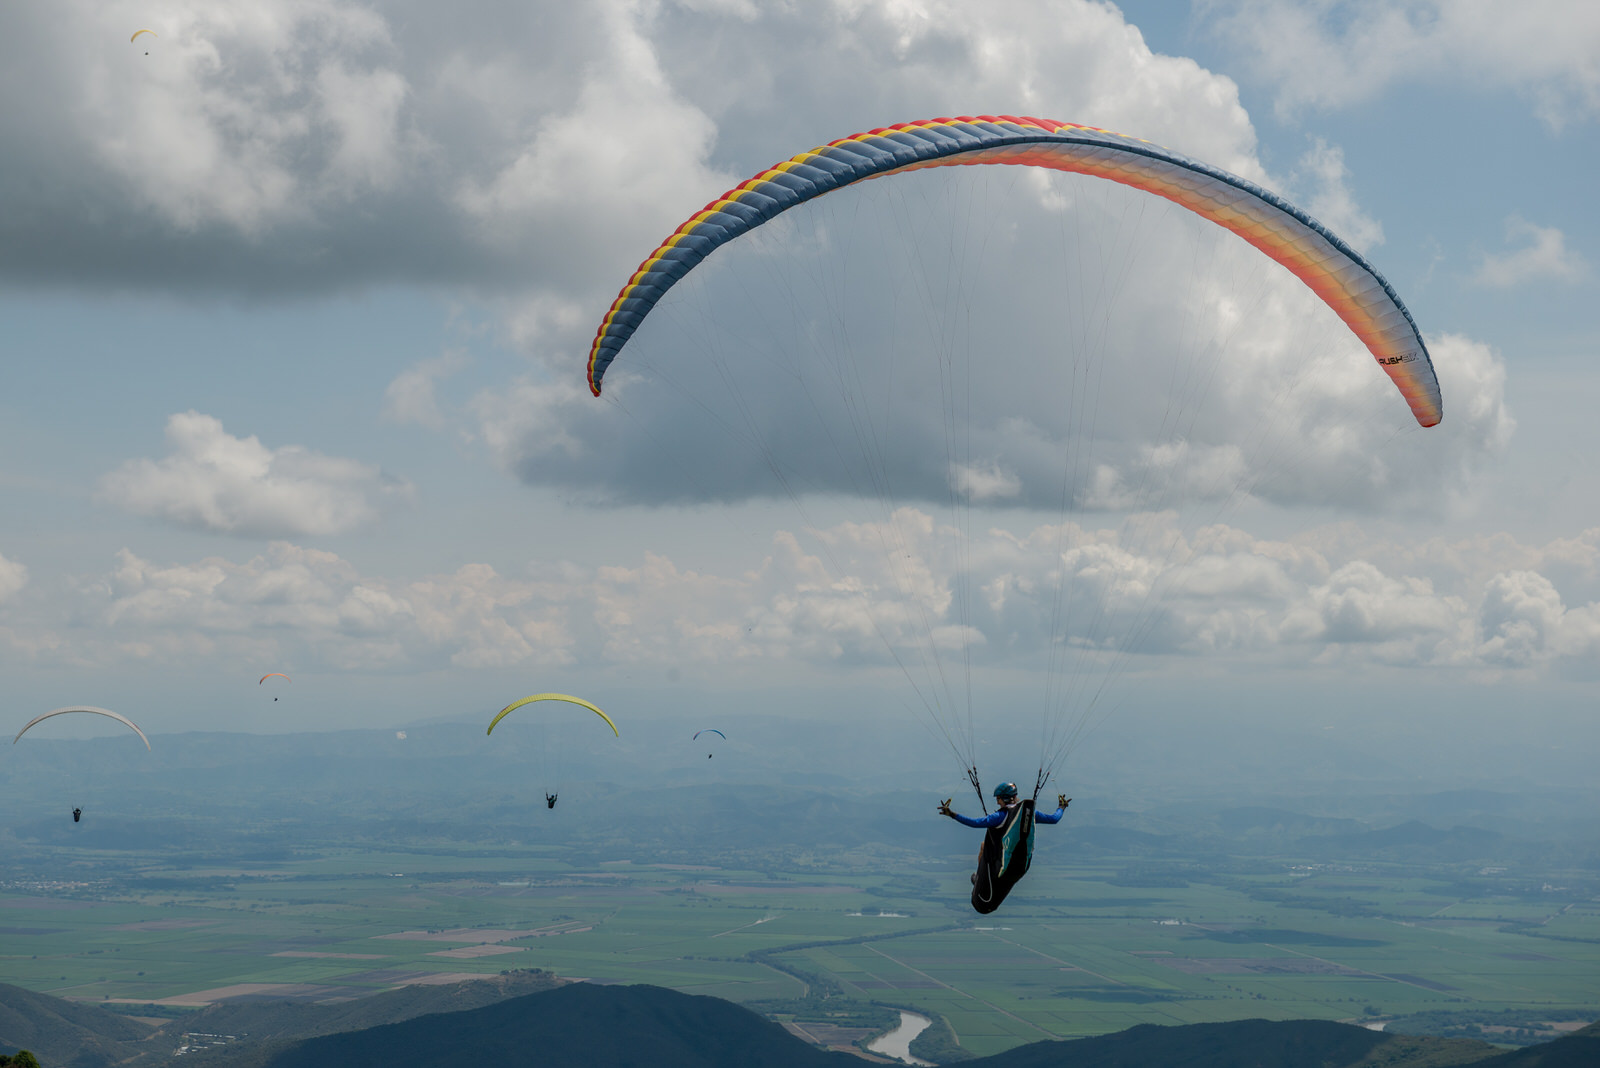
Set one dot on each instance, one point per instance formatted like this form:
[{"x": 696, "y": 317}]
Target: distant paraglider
[
  {"x": 274, "y": 675},
  {"x": 136, "y": 34},
  {"x": 551, "y": 751},
  {"x": 709, "y": 730},
  {"x": 83, "y": 708}
]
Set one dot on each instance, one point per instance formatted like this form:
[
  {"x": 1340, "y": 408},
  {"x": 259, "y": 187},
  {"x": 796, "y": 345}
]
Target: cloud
[
  {"x": 1342, "y": 52},
  {"x": 410, "y": 398},
  {"x": 13, "y": 577},
  {"x": 308, "y": 606},
  {"x": 308, "y": 146},
  {"x": 1543, "y": 257},
  {"x": 1331, "y": 201},
  {"x": 908, "y": 594},
  {"x": 216, "y": 482},
  {"x": 983, "y": 482},
  {"x": 1523, "y": 622}
]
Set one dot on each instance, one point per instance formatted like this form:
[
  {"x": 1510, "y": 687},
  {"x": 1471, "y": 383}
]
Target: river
[{"x": 897, "y": 1043}]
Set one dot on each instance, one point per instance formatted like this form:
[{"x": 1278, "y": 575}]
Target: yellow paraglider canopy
[
  {"x": 136, "y": 34},
  {"x": 514, "y": 705}
]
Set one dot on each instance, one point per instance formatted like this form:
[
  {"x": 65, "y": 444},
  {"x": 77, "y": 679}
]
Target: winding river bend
[{"x": 897, "y": 1043}]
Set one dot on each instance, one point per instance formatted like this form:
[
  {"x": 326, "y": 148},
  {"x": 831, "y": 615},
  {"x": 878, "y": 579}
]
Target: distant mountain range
[
  {"x": 496, "y": 1022},
  {"x": 1289, "y": 1044}
]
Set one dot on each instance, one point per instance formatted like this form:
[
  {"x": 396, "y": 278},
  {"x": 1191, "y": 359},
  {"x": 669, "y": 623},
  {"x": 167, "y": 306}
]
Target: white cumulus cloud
[
  {"x": 13, "y": 576},
  {"x": 1543, "y": 257},
  {"x": 211, "y": 480},
  {"x": 1322, "y": 169},
  {"x": 1336, "y": 52},
  {"x": 906, "y": 593},
  {"x": 315, "y": 607},
  {"x": 411, "y": 396}
]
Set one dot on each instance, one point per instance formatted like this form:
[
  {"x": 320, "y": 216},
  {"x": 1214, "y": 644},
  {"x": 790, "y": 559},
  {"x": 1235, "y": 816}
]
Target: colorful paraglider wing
[
  {"x": 83, "y": 708},
  {"x": 1007, "y": 852},
  {"x": 514, "y": 705},
  {"x": 276, "y": 675},
  {"x": 136, "y": 34},
  {"x": 1335, "y": 272},
  {"x": 710, "y": 730}
]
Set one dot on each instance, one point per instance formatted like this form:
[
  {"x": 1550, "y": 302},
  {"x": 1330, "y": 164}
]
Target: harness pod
[{"x": 1003, "y": 860}]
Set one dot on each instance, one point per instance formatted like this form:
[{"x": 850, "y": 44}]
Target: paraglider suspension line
[{"x": 972, "y": 777}]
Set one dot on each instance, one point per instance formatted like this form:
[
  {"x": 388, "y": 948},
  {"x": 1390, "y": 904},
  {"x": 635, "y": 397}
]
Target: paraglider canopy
[
  {"x": 1335, "y": 271},
  {"x": 136, "y": 34},
  {"x": 83, "y": 708},
  {"x": 710, "y": 730},
  {"x": 274, "y": 675},
  {"x": 514, "y": 705}
]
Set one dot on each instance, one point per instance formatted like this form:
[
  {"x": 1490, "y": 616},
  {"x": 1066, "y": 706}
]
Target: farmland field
[{"x": 1076, "y": 951}]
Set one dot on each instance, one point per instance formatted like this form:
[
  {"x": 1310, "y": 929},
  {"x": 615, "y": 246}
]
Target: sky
[{"x": 297, "y": 298}]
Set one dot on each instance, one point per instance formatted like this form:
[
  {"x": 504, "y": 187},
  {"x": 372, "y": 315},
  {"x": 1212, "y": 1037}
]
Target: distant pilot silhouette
[{"x": 77, "y": 814}]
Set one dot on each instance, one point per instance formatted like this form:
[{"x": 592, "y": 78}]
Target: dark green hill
[
  {"x": 65, "y": 1033},
  {"x": 1581, "y": 1049},
  {"x": 1252, "y": 1044},
  {"x": 265, "y": 1020},
  {"x": 597, "y": 1026}
]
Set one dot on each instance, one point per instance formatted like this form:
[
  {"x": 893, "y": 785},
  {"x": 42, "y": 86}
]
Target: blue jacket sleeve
[
  {"x": 1050, "y": 817},
  {"x": 993, "y": 819}
]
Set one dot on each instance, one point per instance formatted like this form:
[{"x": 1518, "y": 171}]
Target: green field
[{"x": 1072, "y": 953}]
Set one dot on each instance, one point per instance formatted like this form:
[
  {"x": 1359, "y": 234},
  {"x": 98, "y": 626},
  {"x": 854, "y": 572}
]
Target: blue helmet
[{"x": 1005, "y": 791}]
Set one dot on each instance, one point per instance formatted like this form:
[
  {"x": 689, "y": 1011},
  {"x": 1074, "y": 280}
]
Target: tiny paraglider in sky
[
  {"x": 274, "y": 675},
  {"x": 709, "y": 730},
  {"x": 136, "y": 34},
  {"x": 400, "y": 735},
  {"x": 552, "y": 751},
  {"x": 77, "y": 813}
]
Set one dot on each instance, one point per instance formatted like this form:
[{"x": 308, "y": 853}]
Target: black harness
[{"x": 1003, "y": 861}]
